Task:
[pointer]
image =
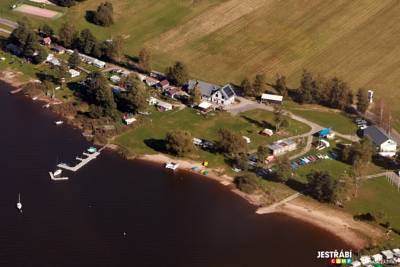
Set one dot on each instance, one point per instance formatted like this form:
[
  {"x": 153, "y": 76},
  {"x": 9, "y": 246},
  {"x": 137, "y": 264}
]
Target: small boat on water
[
  {"x": 57, "y": 172},
  {"x": 34, "y": 98},
  {"x": 19, "y": 204},
  {"x": 92, "y": 149},
  {"x": 171, "y": 165},
  {"x": 59, "y": 122},
  {"x": 46, "y": 106}
]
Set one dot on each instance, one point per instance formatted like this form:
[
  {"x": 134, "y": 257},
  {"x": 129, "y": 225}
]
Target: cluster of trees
[
  {"x": 247, "y": 182},
  {"x": 283, "y": 169},
  {"x": 280, "y": 119},
  {"x": 179, "y": 143},
  {"x": 333, "y": 93},
  {"x": 255, "y": 88},
  {"x": 103, "y": 16},
  {"x": 87, "y": 43},
  {"x": 25, "y": 38},
  {"x": 103, "y": 102},
  {"x": 383, "y": 115},
  {"x": 135, "y": 97},
  {"x": 67, "y": 3},
  {"x": 358, "y": 153},
  {"x": 322, "y": 186},
  {"x": 178, "y": 74}
]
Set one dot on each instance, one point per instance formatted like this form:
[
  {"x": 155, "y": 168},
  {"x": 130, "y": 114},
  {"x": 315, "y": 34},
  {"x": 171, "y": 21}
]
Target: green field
[
  {"x": 249, "y": 124},
  {"x": 378, "y": 196},
  {"x": 226, "y": 40}
]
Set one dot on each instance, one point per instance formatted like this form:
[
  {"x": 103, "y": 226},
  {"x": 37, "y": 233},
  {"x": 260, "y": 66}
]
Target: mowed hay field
[{"x": 226, "y": 40}]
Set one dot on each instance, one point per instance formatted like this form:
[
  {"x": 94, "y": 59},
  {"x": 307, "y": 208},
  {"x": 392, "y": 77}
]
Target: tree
[
  {"x": 86, "y": 41},
  {"x": 230, "y": 142},
  {"x": 41, "y": 55},
  {"x": 178, "y": 73},
  {"x": 262, "y": 154},
  {"x": 246, "y": 87},
  {"x": 322, "y": 186},
  {"x": 103, "y": 16},
  {"x": 179, "y": 142},
  {"x": 67, "y": 34},
  {"x": 383, "y": 114},
  {"x": 362, "y": 100},
  {"x": 340, "y": 95},
  {"x": 135, "y": 98},
  {"x": 31, "y": 44},
  {"x": 259, "y": 84},
  {"x": 247, "y": 183},
  {"x": 74, "y": 60},
  {"x": 305, "y": 89},
  {"x": 47, "y": 30},
  {"x": 113, "y": 50},
  {"x": 100, "y": 94},
  {"x": 60, "y": 73},
  {"x": 279, "y": 118},
  {"x": 195, "y": 95},
  {"x": 145, "y": 60},
  {"x": 283, "y": 169},
  {"x": 280, "y": 85},
  {"x": 20, "y": 34}
]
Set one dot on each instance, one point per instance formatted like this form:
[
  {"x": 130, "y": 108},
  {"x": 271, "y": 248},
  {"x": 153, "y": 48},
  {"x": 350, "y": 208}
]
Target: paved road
[{"x": 8, "y": 23}]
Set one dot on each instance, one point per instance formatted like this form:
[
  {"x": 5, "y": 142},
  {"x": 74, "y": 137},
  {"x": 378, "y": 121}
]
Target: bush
[{"x": 247, "y": 183}]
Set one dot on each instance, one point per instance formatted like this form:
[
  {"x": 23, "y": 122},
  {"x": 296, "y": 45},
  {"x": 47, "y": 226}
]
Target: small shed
[
  {"x": 387, "y": 254},
  {"x": 204, "y": 105},
  {"x": 248, "y": 140},
  {"x": 267, "y": 132},
  {"x": 46, "y": 41},
  {"x": 164, "y": 84},
  {"x": 74, "y": 73},
  {"x": 152, "y": 101},
  {"x": 377, "y": 258},
  {"x": 99, "y": 64},
  {"x": 128, "y": 119},
  {"x": 115, "y": 78},
  {"x": 164, "y": 106},
  {"x": 271, "y": 99},
  {"x": 325, "y": 132},
  {"x": 172, "y": 91},
  {"x": 59, "y": 49}
]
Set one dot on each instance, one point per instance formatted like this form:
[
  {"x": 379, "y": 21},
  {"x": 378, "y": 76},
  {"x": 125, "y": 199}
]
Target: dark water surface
[{"x": 181, "y": 220}]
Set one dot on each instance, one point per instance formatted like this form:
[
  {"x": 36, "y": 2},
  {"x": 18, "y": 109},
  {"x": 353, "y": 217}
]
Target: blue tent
[{"x": 325, "y": 132}]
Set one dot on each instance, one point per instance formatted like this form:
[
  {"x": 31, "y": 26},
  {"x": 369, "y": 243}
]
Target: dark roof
[
  {"x": 227, "y": 91},
  {"x": 206, "y": 89},
  {"x": 376, "y": 135}
]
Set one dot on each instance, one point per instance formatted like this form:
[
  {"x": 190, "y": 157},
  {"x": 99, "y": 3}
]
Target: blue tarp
[{"x": 325, "y": 132}]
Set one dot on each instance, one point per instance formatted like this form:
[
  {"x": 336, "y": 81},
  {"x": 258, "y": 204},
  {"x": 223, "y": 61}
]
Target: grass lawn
[
  {"x": 377, "y": 196},
  {"x": 338, "y": 121},
  {"x": 141, "y": 140}
]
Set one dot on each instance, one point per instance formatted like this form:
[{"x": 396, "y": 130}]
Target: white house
[
  {"x": 164, "y": 106},
  {"x": 271, "y": 99},
  {"x": 74, "y": 73},
  {"x": 224, "y": 95},
  {"x": 115, "y": 78},
  {"x": 385, "y": 146}
]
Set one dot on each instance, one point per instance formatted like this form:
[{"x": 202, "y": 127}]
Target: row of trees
[
  {"x": 87, "y": 43},
  {"x": 255, "y": 88}
]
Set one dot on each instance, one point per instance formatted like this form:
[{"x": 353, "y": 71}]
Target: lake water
[{"x": 168, "y": 220}]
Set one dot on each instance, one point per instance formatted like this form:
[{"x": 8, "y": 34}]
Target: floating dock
[{"x": 57, "y": 178}]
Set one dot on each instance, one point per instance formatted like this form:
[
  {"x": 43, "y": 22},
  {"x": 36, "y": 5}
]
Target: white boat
[
  {"x": 46, "y": 106},
  {"x": 34, "y": 98},
  {"x": 19, "y": 204},
  {"x": 171, "y": 165},
  {"x": 57, "y": 172},
  {"x": 59, "y": 122}
]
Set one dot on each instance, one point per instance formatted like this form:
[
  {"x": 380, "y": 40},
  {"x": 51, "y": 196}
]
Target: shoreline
[{"x": 338, "y": 223}]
